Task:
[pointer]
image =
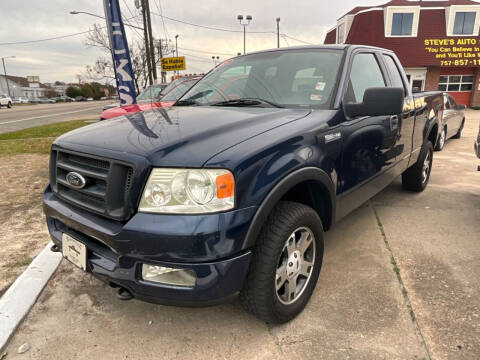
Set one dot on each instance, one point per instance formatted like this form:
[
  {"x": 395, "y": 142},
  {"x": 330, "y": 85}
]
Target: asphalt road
[
  {"x": 22, "y": 117},
  {"x": 400, "y": 280}
]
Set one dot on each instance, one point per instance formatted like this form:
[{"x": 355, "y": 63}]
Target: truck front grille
[{"x": 107, "y": 182}]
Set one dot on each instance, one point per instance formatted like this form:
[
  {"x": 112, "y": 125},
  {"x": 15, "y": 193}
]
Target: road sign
[{"x": 173, "y": 63}]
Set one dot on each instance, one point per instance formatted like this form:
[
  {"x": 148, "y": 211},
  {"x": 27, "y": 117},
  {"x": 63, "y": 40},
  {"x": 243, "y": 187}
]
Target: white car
[
  {"x": 5, "y": 100},
  {"x": 20, "y": 100}
]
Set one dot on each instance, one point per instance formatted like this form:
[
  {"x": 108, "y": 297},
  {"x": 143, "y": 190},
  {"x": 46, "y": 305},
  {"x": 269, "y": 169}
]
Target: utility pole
[
  {"x": 6, "y": 78},
  {"x": 147, "y": 43},
  {"x": 278, "y": 32},
  {"x": 150, "y": 34},
  {"x": 163, "y": 76}
]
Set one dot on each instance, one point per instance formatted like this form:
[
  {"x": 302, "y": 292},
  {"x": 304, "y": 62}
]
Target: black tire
[
  {"x": 458, "y": 135},
  {"x": 413, "y": 179},
  {"x": 441, "y": 140},
  {"x": 9, "y": 105},
  {"x": 260, "y": 295}
]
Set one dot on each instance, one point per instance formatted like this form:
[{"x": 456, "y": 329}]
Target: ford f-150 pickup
[{"x": 230, "y": 191}]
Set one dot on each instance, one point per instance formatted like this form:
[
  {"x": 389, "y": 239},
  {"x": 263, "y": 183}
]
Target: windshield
[
  {"x": 150, "y": 93},
  {"x": 293, "y": 78},
  {"x": 179, "y": 90}
]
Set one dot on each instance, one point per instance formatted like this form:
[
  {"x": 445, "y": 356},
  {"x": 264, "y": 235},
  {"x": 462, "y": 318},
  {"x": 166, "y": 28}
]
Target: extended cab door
[
  {"x": 403, "y": 124},
  {"x": 368, "y": 142}
]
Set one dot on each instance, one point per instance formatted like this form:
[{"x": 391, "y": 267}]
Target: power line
[
  {"x": 47, "y": 39},
  {"x": 298, "y": 40},
  {"x": 211, "y": 27},
  {"x": 207, "y": 52}
]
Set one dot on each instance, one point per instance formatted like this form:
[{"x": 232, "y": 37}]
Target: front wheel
[
  {"x": 9, "y": 105},
  {"x": 441, "y": 140},
  {"x": 416, "y": 177},
  {"x": 286, "y": 262}
]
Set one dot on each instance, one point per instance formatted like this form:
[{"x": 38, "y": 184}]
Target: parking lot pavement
[
  {"x": 399, "y": 281},
  {"x": 22, "y": 117},
  {"x": 435, "y": 237}
]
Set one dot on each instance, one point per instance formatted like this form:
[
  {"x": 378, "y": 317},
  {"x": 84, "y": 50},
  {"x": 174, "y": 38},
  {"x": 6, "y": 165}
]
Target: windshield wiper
[
  {"x": 186, "y": 102},
  {"x": 247, "y": 102}
]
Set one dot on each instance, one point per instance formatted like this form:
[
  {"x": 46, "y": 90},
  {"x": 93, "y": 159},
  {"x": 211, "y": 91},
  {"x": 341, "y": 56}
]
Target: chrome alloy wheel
[
  {"x": 295, "y": 266},
  {"x": 441, "y": 141},
  {"x": 426, "y": 168}
]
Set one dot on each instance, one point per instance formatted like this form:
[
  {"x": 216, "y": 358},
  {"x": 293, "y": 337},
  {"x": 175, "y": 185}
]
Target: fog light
[{"x": 168, "y": 276}]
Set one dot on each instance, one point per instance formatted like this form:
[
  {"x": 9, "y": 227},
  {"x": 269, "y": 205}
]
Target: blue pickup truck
[{"x": 230, "y": 191}]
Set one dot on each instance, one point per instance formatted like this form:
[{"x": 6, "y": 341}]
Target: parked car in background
[
  {"x": 6, "y": 101},
  {"x": 477, "y": 146},
  {"x": 44, "y": 100},
  {"x": 80, "y": 98},
  {"x": 153, "y": 97},
  {"x": 453, "y": 121},
  {"x": 231, "y": 192},
  {"x": 90, "y": 99},
  {"x": 21, "y": 100}
]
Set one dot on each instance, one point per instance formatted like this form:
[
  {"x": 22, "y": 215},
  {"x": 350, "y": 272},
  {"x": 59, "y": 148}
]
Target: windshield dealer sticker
[
  {"x": 320, "y": 86},
  {"x": 316, "y": 97}
]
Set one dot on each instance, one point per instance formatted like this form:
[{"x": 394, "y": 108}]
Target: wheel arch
[{"x": 321, "y": 192}]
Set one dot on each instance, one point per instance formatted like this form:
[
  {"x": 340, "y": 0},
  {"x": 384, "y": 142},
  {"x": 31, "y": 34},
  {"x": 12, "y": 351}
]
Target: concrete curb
[{"x": 22, "y": 295}]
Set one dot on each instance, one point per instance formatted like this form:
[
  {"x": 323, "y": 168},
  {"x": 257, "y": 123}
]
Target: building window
[
  {"x": 464, "y": 23},
  {"x": 341, "y": 34},
  {"x": 455, "y": 83},
  {"x": 402, "y": 24}
]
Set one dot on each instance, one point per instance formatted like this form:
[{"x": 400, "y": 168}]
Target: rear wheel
[
  {"x": 441, "y": 140},
  {"x": 416, "y": 177},
  {"x": 458, "y": 135},
  {"x": 286, "y": 263}
]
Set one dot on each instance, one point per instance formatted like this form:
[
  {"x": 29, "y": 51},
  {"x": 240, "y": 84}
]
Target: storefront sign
[
  {"x": 454, "y": 51},
  {"x": 173, "y": 63}
]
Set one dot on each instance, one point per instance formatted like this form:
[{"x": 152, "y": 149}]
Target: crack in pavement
[{"x": 403, "y": 289}]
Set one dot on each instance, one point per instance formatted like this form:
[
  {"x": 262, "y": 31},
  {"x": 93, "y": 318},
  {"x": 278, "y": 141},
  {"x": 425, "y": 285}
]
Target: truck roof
[{"x": 329, "y": 46}]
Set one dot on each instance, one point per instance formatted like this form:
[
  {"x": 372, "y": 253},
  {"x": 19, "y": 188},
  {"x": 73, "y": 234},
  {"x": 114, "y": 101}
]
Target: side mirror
[{"x": 378, "y": 102}]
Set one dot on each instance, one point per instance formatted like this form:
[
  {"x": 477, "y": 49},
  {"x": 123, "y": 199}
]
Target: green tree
[{"x": 73, "y": 92}]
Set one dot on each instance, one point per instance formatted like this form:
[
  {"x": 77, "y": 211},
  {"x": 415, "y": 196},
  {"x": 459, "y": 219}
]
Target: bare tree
[{"x": 102, "y": 69}]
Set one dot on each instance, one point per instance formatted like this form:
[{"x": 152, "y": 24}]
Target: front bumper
[{"x": 212, "y": 245}]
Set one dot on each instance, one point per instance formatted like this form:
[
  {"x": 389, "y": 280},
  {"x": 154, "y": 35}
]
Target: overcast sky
[{"x": 24, "y": 20}]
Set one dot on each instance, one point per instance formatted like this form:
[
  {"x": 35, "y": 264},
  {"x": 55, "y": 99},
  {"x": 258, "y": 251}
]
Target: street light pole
[
  {"x": 247, "y": 19},
  {"x": 278, "y": 32},
  {"x": 176, "y": 49},
  {"x": 5, "y": 71}
]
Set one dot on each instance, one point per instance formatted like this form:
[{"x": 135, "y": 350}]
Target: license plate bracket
[{"x": 74, "y": 251}]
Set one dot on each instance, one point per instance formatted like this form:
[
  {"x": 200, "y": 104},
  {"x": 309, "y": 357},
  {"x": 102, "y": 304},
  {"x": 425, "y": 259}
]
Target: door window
[
  {"x": 365, "y": 73},
  {"x": 395, "y": 75}
]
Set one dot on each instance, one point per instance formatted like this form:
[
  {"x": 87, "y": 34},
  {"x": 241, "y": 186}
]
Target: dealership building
[{"x": 437, "y": 42}]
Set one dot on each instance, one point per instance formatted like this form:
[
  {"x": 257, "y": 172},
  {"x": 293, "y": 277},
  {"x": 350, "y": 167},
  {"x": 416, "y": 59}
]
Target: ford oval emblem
[{"x": 75, "y": 180}]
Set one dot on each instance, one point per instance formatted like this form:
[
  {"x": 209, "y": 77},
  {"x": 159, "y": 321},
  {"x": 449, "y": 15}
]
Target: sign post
[{"x": 122, "y": 63}]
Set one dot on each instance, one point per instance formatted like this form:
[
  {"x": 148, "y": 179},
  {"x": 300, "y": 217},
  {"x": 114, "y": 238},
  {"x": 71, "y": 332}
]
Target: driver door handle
[{"x": 393, "y": 122}]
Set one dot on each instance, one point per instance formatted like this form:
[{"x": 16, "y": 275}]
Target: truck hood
[{"x": 180, "y": 136}]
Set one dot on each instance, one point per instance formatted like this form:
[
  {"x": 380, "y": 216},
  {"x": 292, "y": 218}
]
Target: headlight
[{"x": 188, "y": 191}]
